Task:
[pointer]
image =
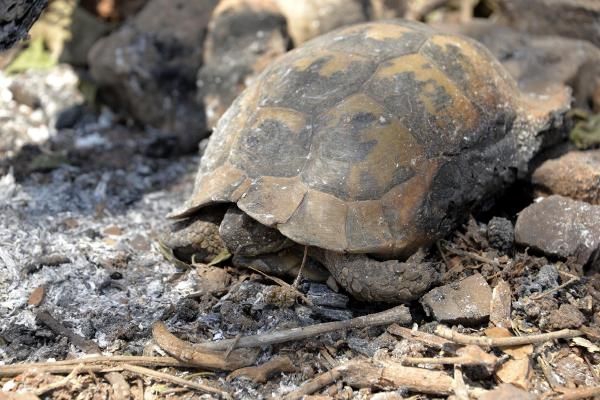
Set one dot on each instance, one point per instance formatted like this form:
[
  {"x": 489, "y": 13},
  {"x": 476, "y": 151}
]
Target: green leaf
[
  {"x": 586, "y": 133},
  {"x": 33, "y": 57}
]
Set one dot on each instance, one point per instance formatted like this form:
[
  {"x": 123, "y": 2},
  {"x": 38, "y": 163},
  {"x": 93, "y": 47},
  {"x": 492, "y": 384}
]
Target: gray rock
[
  {"x": 333, "y": 314},
  {"x": 465, "y": 302},
  {"x": 243, "y": 37},
  {"x": 578, "y": 18},
  {"x": 149, "y": 68},
  {"x": 562, "y": 227},
  {"x": 575, "y": 175},
  {"x": 501, "y": 234},
  {"x": 321, "y": 295}
]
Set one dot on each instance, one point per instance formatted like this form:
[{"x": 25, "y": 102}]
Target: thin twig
[
  {"x": 399, "y": 314},
  {"x": 461, "y": 338},
  {"x": 443, "y": 361},
  {"x": 460, "y": 388},
  {"x": 423, "y": 337},
  {"x": 315, "y": 384},
  {"x": 63, "y": 382},
  {"x": 230, "y": 349},
  {"x": 547, "y": 371},
  {"x": 572, "y": 279},
  {"x": 57, "y": 327},
  {"x": 443, "y": 255},
  {"x": 472, "y": 255},
  {"x": 284, "y": 285},
  {"x": 299, "y": 277},
  {"x": 91, "y": 363},
  {"x": 174, "y": 379},
  {"x": 579, "y": 393},
  {"x": 467, "y": 355}
]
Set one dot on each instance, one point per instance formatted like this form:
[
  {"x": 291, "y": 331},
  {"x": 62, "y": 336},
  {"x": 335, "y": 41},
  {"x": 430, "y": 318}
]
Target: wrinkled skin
[{"x": 255, "y": 245}]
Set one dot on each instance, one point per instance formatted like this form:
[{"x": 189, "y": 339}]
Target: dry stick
[
  {"x": 472, "y": 255},
  {"x": 283, "y": 284},
  {"x": 91, "y": 363},
  {"x": 202, "y": 357},
  {"x": 547, "y": 371},
  {"x": 59, "y": 384},
  {"x": 467, "y": 355},
  {"x": 579, "y": 393},
  {"x": 423, "y": 337},
  {"x": 383, "y": 375},
  {"x": 399, "y": 314},
  {"x": 120, "y": 386},
  {"x": 297, "y": 280},
  {"x": 174, "y": 379},
  {"x": 261, "y": 373},
  {"x": 461, "y": 338},
  {"x": 315, "y": 384},
  {"x": 439, "y": 247},
  {"x": 572, "y": 279},
  {"x": 460, "y": 389},
  {"x": 57, "y": 327},
  {"x": 444, "y": 360}
]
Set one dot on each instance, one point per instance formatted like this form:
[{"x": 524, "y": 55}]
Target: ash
[{"x": 80, "y": 210}]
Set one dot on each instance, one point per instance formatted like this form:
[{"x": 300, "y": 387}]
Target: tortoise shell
[{"x": 370, "y": 139}]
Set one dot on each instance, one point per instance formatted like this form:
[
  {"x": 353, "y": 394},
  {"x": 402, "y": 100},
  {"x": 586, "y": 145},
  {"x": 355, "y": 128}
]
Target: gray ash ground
[{"x": 81, "y": 208}]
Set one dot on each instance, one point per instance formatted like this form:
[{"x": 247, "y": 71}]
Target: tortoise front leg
[{"x": 390, "y": 281}]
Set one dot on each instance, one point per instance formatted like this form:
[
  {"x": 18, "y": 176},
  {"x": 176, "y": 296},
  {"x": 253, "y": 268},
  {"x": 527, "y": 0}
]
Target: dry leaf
[
  {"x": 589, "y": 346},
  {"x": 516, "y": 372},
  {"x": 37, "y": 296}
]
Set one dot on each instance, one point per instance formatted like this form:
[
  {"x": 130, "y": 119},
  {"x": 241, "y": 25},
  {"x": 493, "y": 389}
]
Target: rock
[
  {"x": 574, "y": 369},
  {"x": 500, "y": 309},
  {"x": 540, "y": 62},
  {"x": 310, "y": 18},
  {"x": 575, "y": 175},
  {"x": 578, "y": 18},
  {"x": 187, "y": 310},
  {"x": 501, "y": 234},
  {"x": 243, "y": 37},
  {"x": 333, "y": 314},
  {"x": 386, "y": 9},
  {"x": 148, "y": 67},
  {"x": 566, "y": 317},
  {"x": 16, "y": 17},
  {"x": 321, "y": 295},
  {"x": 465, "y": 302},
  {"x": 562, "y": 227}
]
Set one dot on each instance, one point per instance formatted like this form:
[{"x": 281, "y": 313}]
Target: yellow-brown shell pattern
[{"x": 338, "y": 143}]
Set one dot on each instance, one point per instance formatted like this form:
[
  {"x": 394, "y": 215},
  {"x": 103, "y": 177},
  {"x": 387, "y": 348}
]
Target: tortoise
[{"x": 365, "y": 144}]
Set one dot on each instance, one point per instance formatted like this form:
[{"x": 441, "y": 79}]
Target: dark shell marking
[{"x": 366, "y": 139}]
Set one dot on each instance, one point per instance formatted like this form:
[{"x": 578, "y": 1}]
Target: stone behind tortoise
[{"x": 377, "y": 138}]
